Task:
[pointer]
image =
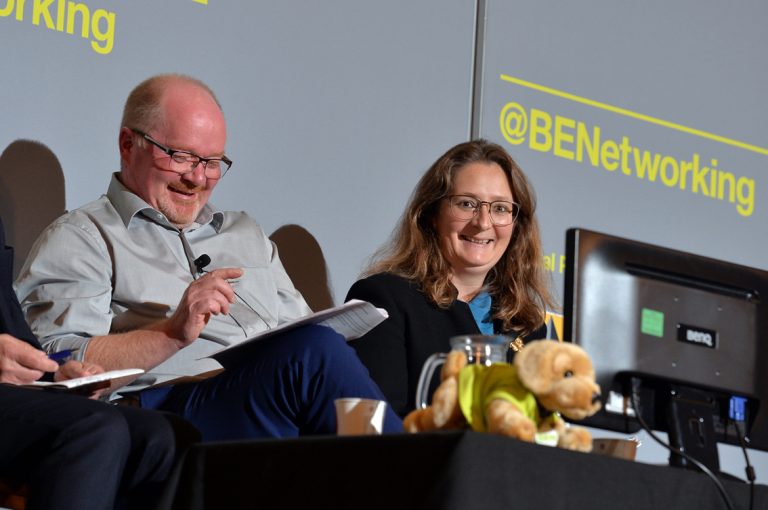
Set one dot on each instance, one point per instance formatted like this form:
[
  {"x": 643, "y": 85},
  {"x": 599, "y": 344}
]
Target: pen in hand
[{"x": 62, "y": 356}]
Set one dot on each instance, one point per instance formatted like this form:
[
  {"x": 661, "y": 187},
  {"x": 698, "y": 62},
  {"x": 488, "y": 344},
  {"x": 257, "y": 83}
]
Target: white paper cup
[{"x": 359, "y": 416}]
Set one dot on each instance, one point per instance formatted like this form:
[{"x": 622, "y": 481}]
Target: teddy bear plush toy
[{"x": 524, "y": 399}]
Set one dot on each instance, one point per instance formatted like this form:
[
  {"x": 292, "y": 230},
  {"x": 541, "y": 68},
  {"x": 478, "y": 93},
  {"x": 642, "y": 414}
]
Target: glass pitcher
[{"x": 479, "y": 349}]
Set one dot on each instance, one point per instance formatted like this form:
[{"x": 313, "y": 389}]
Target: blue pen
[{"x": 61, "y": 356}]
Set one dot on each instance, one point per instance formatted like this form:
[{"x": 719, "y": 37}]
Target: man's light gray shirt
[{"x": 117, "y": 264}]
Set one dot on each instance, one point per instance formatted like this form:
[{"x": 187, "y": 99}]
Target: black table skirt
[{"x": 457, "y": 470}]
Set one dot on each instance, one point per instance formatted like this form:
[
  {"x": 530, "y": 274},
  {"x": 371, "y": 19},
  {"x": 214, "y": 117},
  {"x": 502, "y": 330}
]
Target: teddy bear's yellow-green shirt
[{"x": 479, "y": 385}]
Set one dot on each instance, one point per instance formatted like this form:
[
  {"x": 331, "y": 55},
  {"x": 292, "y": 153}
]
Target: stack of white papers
[{"x": 352, "y": 320}]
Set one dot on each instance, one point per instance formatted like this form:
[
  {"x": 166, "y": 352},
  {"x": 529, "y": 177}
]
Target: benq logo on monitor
[{"x": 698, "y": 336}]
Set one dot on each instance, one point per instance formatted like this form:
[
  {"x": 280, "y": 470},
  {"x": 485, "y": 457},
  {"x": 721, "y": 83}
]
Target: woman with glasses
[{"x": 466, "y": 257}]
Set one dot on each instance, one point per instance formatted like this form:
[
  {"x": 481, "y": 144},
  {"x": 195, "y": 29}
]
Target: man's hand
[
  {"x": 147, "y": 347},
  {"x": 74, "y": 369},
  {"x": 20, "y": 363},
  {"x": 209, "y": 294}
]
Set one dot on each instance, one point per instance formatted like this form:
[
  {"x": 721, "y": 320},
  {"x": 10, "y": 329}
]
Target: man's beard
[{"x": 180, "y": 214}]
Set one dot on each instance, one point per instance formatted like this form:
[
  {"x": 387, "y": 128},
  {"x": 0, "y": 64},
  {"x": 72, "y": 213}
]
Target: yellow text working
[{"x": 74, "y": 18}]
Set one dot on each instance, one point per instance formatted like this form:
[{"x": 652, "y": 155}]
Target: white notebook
[{"x": 80, "y": 383}]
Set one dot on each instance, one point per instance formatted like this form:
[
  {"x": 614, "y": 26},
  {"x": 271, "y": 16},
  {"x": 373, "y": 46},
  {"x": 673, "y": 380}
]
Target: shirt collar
[
  {"x": 482, "y": 300},
  {"x": 128, "y": 205}
]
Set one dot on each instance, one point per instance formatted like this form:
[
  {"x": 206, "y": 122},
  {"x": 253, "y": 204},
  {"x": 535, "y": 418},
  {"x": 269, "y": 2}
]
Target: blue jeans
[{"x": 284, "y": 387}]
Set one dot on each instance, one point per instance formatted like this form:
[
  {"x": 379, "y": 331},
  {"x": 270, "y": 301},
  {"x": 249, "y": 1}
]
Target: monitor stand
[{"x": 691, "y": 427}]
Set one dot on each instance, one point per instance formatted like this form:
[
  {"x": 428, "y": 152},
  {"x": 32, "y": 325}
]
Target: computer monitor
[{"x": 687, "y": 334}]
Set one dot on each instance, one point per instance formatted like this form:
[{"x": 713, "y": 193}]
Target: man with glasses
[{"x": 126, "y": 280}]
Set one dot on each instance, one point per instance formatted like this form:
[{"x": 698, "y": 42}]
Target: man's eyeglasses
[
  {"x": 183, "y": 162},
  {"x": 501, "y": 212}
]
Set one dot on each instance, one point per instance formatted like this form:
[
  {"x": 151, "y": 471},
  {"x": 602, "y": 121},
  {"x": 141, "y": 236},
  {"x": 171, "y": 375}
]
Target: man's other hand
[{"x": 74, "y": 369}]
